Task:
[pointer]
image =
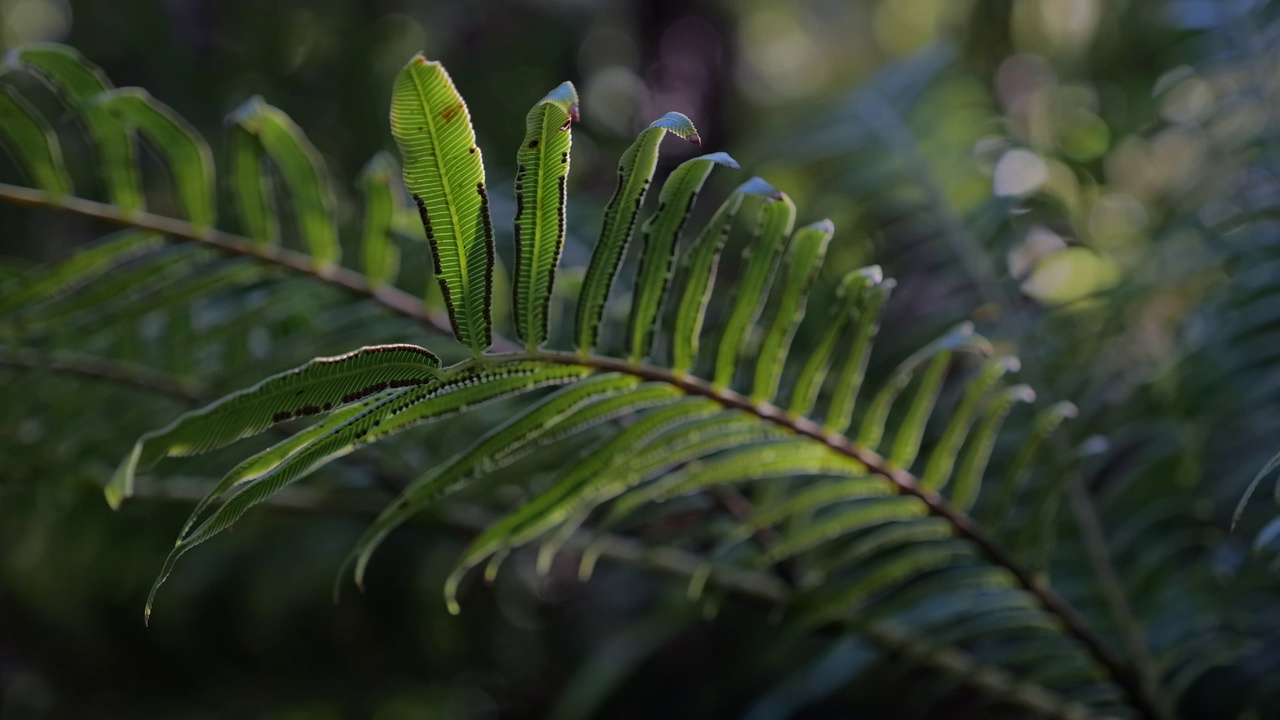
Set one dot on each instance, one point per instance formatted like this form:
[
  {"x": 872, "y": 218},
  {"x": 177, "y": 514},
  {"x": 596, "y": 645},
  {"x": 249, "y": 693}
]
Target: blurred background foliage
[{"x": 1092, "y": 182}]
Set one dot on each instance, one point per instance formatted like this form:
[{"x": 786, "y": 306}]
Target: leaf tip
[
  {"x": 1067, "y": 409},
  {"x": 719, "y": 158},
  {"x": 1022, "y": 393},
  {"x": 695, "y": 138},
  {"x": 114, "y": 496}
]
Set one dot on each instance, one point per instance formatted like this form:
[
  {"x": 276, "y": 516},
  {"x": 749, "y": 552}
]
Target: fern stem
[
  {"x": 1128, "y": 678},
  {"x": 299, "y": 263},
  {"x": 96, "y": 368}
]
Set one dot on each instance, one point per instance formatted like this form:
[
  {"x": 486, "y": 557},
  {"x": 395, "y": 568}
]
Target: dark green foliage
[{"x": 934, "y": 533}]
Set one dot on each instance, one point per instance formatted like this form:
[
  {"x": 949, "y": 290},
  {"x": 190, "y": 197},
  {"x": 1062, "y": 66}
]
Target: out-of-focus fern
[{"x": 891, "y": 534}]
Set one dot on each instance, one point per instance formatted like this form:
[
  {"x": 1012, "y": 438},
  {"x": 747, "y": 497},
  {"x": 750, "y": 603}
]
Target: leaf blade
[
  {"x": 542, "y": 170},
  {"x": 698, "y": 268},
  {"x": 78, "y": 80},
  {"x": 306, "y": 390},
  {"x": 444, "y": 172},
  {"x": 187, "y": 155},
  {"x": 776, "y": 218},
  {"x": 302, "y": 170},
  {"x": 803, "y": 261},
  {"x": 381, "y": 256},
  {"x": 635, "y": 172},
  {"x": 659, "y": 236},
  {"x": 33, "y": 144}
]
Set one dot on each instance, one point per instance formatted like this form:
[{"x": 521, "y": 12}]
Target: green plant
[{"x": 647, "y": 418}]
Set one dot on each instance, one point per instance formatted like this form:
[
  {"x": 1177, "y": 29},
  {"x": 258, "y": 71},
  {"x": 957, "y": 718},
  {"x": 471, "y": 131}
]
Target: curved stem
[
  {"x": 348, "y": 280},
  {"x": 905, "y": 484},
  {"x": 400, "y": 302},
  {"x": 96, "y": 368}
]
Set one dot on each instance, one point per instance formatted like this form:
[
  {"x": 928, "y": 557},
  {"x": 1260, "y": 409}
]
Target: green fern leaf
[
  {"x": 263, "y": 462},
  {"x": 814, "y": 497},
  {"x": 542, "y": 171},
  {"x": 1046, "y": 421},
  {"x": 86, "y": 265},
  {"x": 316, "y": 387},
  {"x": 635, "y": 172},
  {"x": 699, "y": 269},
  {"x": 187, "y": 156},
  {"x": 803, "y": 260},
  {"x": 906, "y": 444},
  {"x": 659, "y": 236},
  {"x": 869, "y": 303},
  {"x": 99, "y": 296},
  {"x": 302, "y": 170},
  {"x": 858, "y": 516},
  {"x": 676, "y": 446},
  {"x": 251, "y": 189},
  {"x": 444, "y": 172},
  {"x": 787, "y": 458},
  {"x": 908, "y": 439},
  {"x": 572, "y": 410},
  {"x": 886, "y": 572},
  {"x": 32, "y": 144},
  {"x": 843, "y": 311},
  {"x": 79, "y": 81},
  {"x": 776, "y": 219},
  {"x": 564, "y": 497},
  {"x": 381, "y": 256},
  {"x": 942, "y": 460},
  {"x": 680, "y": 444},
  {"x": 392, "y": 412},
  {"x": 974, "y": 463}
]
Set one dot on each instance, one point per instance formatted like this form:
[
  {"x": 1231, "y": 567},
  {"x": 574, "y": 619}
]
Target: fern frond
[
  {"x": 316, "y": 387},
  {"x": 635, "y": 172},
  {"x": 28, "y": 138},
  {"x": 659, "y": 236},
  {"x": 644, "y": 431},
  {"x": 381, "y": 256},
  {"x": 801, "y": 264},
  {"x": 188, "y": 158},
  {"x": 90, "y": 262},
  {"x": 777, "y": 216},
  {"x": 542, "y": 171},
  {"x": 444, "y": 173},
  {"x": 79, "y": 81},
  {"x": 699, "y": 270},
  {"x": 281, "y": 141}
]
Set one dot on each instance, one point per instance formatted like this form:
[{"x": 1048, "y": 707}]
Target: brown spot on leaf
[
  {"x": 533, "y": 144},
  {"x": 451, "y": 112}
]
